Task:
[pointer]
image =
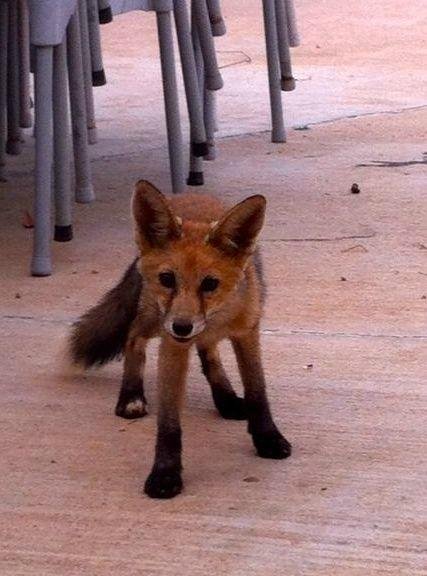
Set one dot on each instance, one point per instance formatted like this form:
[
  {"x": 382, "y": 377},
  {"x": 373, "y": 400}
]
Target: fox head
[{"x": 192, "y": 268}]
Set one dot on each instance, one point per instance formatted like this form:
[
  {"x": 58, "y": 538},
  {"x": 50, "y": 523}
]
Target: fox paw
[
  {"x": 163, "y": 484},
  {"x": 131, "y": 406},
  {"x": 231, "y": 407},
  {"x": 271, "y": 445}
]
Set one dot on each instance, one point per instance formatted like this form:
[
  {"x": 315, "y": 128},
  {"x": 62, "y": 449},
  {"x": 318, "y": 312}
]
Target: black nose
[{"x": 182, "y": 328}]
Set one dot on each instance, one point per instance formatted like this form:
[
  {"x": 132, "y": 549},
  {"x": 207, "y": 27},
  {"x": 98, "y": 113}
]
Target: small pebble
[
  {"x": 323, "y": 488},
  {"x": 355, "y": 188},
  {"x": 343, "y": 279},
  {"x": 423, "y": 297},
  {"x": 251, "y": 479},
  {"x": 18, "y": 295},
  {"x": 308, "y": 367}
]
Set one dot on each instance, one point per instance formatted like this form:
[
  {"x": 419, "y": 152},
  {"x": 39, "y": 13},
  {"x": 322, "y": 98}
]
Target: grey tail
[{"x": 100, "y": 334}]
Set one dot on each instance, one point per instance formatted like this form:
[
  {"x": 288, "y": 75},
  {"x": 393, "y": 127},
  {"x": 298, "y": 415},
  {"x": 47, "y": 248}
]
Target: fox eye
[
  {"x": 167, "y": 279},
  {"x": 209, "y": 284}
]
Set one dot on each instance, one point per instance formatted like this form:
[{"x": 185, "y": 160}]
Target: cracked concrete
[{"x": 345, "y": 360}]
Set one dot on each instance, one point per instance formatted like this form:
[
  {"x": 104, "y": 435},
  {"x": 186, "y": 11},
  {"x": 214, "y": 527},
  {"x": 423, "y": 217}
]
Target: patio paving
[{"x": 344, "y": 334}]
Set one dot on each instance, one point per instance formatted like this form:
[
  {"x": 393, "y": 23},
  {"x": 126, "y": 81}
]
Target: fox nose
[{"x": 182, "y": 328}]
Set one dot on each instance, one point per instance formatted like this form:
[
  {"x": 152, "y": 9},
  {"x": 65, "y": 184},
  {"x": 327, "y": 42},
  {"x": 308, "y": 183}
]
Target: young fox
[{"x": 196, "y": 281}]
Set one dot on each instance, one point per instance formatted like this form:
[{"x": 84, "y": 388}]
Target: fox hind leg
[
  {"x": 228, "y": 404},
  {"x": 131, "y": 403}
]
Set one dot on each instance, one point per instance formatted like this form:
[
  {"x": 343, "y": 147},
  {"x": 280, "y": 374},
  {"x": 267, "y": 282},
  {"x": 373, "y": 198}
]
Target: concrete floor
[{"x": 347, "y": 278}]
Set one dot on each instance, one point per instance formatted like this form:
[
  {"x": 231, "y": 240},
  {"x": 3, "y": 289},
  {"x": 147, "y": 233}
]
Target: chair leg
[
  {"x": 25, "y": 120},
  {"x": 84, "y": 191},
  {"x": 104, "y": 12},
  {"x": 98, "y": 74},
  {"x": 61, "y": 147},
  {"x": 4, "y": 20},
  {"x": 170, "y": 91},
  {"x": 14, "y": 136},
  {"x": 294, "y": 39},
  {"x": 278, "y": 128},
  {"x": 195, "y": 176},
  {"x": 209, "y": 110},
  {"x": 287, "y": 81},
  {"x": 189, "y": 71},
  {"x": 87, "y": 73},
  {"x": 41, "y": 261},
  {"x": 215, "y": 18},
  {"x": 201, "y": 16}
]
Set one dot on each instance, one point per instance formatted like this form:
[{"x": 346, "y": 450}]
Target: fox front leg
[
  {"x": 165, "y": 480},
  {"x": 228, "y": 404},
  {"x": 266, "y": 437},
  {"x": 131, "y": 402}
]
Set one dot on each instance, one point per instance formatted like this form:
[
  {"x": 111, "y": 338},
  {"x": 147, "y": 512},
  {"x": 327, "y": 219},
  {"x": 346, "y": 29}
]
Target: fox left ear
[
  {"x": 237, "y": 231},
  {"x": 155, "y": 223}
]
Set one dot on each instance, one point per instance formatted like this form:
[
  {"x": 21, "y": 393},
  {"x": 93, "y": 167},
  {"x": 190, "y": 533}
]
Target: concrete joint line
[{"x": 284, "y": 334}]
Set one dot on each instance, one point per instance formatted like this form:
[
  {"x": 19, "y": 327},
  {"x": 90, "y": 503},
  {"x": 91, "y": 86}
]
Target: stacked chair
[{"x": 60, "y": 42}]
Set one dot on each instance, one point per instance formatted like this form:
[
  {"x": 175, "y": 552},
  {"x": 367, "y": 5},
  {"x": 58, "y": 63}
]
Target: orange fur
[{"x": 196, "y": 282}]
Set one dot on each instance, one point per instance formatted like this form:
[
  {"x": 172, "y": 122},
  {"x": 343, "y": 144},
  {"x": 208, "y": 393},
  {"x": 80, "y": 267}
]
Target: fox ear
[
  {"x": 238, "y": 229},
  {"x": 155, "y": 223}
]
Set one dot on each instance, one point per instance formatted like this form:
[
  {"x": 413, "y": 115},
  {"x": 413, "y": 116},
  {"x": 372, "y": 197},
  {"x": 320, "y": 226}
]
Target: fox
[{"x": 196, "y": 280}]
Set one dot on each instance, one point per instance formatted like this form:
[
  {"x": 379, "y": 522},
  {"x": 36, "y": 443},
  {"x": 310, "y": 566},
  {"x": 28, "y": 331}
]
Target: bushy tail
[{"x": 100, "y": 335}]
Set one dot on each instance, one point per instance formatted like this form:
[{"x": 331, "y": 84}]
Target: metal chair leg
[
  {"x": 189, "y": 71},
  {"x": 14, "y": 136},
  {"x": 104, "y": 11},
  {"x": 215, "y": 17},
  {"x": 212, "y": 74},
  {"x": 209, "y": 110},
  {"x": 4, "y": 24},
  {"x": 84, "y": 190},
  {"x": 195, "y": 176},
  {"x": 170, "y": 91},
  {"x": 25, "y": 119},
  {"x": 61, "y": 147},
  {"x": 294, "y": 38},
  {"x": 41, "y": 261},
  {"x": 87, "y": 73},
  {"x": 278, "y": 128},
  {"x": 287, "y": 81},
  {"x": 98, "y": 74}
]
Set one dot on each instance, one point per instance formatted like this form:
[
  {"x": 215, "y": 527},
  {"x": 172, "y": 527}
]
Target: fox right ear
[{"x": 155, "y": 223}]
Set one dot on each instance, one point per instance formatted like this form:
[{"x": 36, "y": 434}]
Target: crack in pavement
[
  {"x": 284, "y": 334},
  {"x": 322, "y": 239},
  {"x": 41, "y": 320},
  {"x": 363, "y": 114},
  {"x": 265, "y": 331},
  {"x": 389, "y": 164}
]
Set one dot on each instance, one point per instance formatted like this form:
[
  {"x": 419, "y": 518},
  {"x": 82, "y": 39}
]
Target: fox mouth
[{"x": 181, "y": 339}]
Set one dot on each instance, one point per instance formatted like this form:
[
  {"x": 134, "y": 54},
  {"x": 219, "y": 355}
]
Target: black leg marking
[
  {"x": 131, "y": 403},
  {"x": 163, "y": 484},
  {"x": 267, "y": 439},
  {"x": 165, "y": 479},
  {"x": 228, "y": 404},
  {"x": 272, "y": 445}
]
